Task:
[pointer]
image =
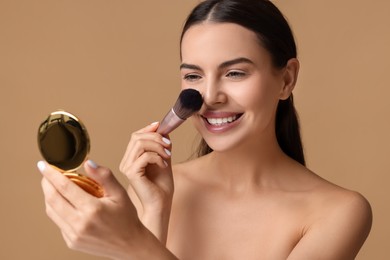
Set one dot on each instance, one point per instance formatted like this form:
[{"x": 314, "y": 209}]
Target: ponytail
[{"x": 288, "y": 130}]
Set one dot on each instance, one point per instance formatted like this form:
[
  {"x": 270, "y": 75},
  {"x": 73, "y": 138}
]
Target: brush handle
[{"x": 169, "y": 123}]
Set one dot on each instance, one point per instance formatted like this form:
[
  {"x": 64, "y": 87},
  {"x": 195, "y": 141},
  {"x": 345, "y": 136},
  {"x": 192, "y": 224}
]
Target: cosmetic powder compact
[{"x": 64, "y": 143}]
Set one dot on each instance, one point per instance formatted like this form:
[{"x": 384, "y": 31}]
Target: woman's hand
[
  {"x": 106, "y": 226},
  {"x": 147, "y": 165}
]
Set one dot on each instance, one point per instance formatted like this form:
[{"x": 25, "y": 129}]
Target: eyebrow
[
  {"x": 221, "y": 66},
  {"x": 189, "y": 66},
  {"x": 235, "y": 61}
]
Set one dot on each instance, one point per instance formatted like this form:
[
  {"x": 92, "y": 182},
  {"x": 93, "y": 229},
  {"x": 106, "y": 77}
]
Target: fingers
[
  {"x": 141, "y": 142},
  {"x": 145, "y": 141},
  {"x": 58, "y": 209},
  {"x": 105, "y": 178},
  {"x": 56, "y": 205},
  {"x": 64, "y": 187},
  {"x": 89, "y": 227},
  {"x": 137, "y": 168}
]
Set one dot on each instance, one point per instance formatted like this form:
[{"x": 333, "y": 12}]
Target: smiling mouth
[{"x": 218, "y": 121}]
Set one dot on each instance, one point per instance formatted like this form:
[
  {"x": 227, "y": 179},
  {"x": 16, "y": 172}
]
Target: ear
[{"x": 290, "y": 76}]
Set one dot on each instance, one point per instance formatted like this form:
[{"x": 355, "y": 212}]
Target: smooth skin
[{"x": 245, "y": 200}]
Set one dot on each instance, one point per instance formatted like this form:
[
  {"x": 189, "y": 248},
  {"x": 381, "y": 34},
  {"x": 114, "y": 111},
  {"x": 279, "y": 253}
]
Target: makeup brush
[{"x": 188, "y": 102}]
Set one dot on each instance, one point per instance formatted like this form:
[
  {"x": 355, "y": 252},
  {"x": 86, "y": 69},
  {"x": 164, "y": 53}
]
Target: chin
[{"x": 220, "y": 143}]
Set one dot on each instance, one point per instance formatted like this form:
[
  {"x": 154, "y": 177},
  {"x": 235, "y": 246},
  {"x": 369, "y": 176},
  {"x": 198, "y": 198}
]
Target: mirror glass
[{"x": 64, "y": 143}]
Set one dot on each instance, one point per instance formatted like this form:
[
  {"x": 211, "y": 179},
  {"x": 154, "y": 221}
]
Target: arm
[
  {"x": 339, "y": 235},
  {"x": 147, "y": 165},
  {"x": 106, "y": 226}
]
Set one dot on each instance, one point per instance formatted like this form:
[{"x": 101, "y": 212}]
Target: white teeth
[
  {"x": 220, "y": 121},
  {"x": 212, "y": 121}
]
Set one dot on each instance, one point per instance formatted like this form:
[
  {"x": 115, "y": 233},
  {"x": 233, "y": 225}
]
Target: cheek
[
  {"x": 251, "y": 95},
  {"x": 260, "y": 99}
]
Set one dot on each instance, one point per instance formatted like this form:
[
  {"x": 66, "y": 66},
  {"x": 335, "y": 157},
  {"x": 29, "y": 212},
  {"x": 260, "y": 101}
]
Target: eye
[
  {"x": 192, "y": 77},
  {"x": 235, "y": 74}
]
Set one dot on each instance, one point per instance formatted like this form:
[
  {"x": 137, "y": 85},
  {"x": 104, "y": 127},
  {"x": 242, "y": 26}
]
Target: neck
[{"x": 248, "y": 165}]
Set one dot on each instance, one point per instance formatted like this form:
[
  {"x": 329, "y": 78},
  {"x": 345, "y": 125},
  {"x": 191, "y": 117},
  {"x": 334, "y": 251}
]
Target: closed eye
[
  {"x": 192, "y": 77},
  {"x": 235, "y": 74}
]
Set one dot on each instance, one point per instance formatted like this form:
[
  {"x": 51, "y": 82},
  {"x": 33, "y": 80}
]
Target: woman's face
[{"x": 240, "y": 87}]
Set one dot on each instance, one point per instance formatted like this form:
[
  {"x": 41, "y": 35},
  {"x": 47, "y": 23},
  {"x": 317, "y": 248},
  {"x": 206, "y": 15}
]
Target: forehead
[{"x": 220, "y": 41}]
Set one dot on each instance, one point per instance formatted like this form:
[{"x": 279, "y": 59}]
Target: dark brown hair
[{"x": 274, "y": 33}]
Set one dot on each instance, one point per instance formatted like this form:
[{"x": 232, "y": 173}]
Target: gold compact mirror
[{"x": 64, "y": 144}]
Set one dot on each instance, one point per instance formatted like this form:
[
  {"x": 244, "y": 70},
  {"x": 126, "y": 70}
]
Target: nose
[{"x": 213, "y": 93}]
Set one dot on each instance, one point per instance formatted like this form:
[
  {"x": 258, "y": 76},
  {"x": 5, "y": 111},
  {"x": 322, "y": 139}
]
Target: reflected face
[{"x": 241, "y": 89}]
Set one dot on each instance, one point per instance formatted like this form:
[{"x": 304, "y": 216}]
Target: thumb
[{"x": 103, "y": 176}]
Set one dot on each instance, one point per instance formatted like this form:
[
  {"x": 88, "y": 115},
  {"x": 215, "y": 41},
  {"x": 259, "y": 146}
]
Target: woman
[{"x": 248, "y": 195}]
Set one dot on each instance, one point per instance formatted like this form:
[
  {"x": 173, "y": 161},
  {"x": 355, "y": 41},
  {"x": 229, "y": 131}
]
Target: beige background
[{"x": 115, "y": 65}]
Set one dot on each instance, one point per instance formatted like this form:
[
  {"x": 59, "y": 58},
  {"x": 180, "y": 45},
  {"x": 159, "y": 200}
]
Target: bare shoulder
[
  {"x": 347, "y": 202},
  {"x": 340, "y": 223},
  {"x": 349, "y": 211},
  {"x": 338, "y": 203},
  {"x": 341, "y": 201}
]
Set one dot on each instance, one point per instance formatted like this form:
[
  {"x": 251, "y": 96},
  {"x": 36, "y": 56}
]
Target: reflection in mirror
[{"x": 64, "y": 143}]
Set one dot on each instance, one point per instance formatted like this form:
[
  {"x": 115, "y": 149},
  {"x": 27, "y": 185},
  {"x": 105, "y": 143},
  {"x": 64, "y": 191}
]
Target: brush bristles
[{"x": 188, "y": 102}]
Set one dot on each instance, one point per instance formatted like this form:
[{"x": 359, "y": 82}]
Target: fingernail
[
  {"x": 154, "y": 123},
  {"x": 167, "y": 151},
  {"x": 166, "y": 140},
  {"x": 41, "y": 166},
  {"x": 166, "y": 164},
  {"x": 92, "y": 164}
]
